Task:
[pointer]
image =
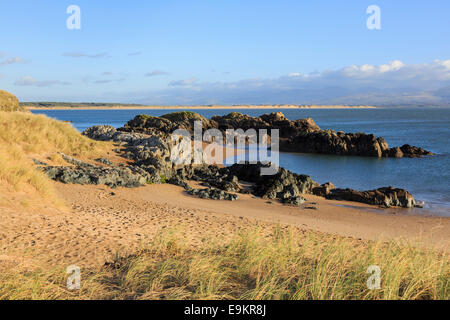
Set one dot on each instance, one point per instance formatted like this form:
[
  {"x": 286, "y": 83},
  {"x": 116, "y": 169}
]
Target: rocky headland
[
  {"x": 301, "y": 135},
  {"x": 149, "y": 147}
]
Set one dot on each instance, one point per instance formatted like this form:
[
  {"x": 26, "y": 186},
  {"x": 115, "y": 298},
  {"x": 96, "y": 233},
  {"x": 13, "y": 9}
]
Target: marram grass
[
  {"x": 285, "y": 265},
  {"x": 23, "y": 136}
]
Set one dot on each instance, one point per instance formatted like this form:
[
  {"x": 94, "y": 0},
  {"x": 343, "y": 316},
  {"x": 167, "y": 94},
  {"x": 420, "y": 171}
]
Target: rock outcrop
[
  {"x": 213, "y": 194},
  {"x": 301, "y": 135},
  {"x": 324, "y": 190},
  {"x": 146, "y": 141},
  {"x": 86, "y": 173},
  {"x": 386, "y": 197},
  {"x": 149, "y": 152},
  {"x": 294, "y": 201},
  {"x": 304, "y": 135},
  {"x": 166, "y": 123},
  {"x": 282, "y": 185}
]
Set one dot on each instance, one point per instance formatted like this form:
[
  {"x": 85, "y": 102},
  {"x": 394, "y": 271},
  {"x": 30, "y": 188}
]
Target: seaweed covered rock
[
  {"x": 186, "y": 119},
  {"x": 166, "y": 123}
]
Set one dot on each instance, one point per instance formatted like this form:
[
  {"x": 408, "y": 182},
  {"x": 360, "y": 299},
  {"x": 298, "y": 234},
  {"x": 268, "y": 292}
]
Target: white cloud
[
  {"x": 105, "y": 77},
  {"x": 13, "y": 60},
  {"x": 184, "y": 83},
  {"x": 85, "y": 55},
  {"x": 155, "y": 73},
  {"x": 445, "y": 63},
  {"x": 392, "y": 82},
  {"x": 30, "y": 81},
  {"x": 108, "y": 81}
]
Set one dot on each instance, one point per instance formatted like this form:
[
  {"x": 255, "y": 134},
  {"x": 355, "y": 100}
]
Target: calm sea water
[{"x": 426, "y": 178}]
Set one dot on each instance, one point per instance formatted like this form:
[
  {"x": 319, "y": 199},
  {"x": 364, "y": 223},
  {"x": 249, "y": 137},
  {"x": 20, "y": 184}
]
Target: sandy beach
[{"x": 100, "y": 223}]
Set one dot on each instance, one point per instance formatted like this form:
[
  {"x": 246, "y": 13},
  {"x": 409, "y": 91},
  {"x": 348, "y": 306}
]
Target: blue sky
[{"x": 230, "y": 51}]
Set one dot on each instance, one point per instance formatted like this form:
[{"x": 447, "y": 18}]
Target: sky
[{"x": 227, "y": 52}]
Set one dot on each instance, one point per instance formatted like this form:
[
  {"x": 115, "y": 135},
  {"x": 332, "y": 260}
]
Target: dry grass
[
  {"x": 9, "y": 102},
  {"x": 25, "y": 135},
  {"x": 250, "y": 266}
]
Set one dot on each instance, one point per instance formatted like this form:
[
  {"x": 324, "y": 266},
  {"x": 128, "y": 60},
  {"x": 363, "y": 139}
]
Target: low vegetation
[
  {"x": 24, "y": 136},
  {"x": 9, "y": 102},
  {"x": 284, "y": 265}
]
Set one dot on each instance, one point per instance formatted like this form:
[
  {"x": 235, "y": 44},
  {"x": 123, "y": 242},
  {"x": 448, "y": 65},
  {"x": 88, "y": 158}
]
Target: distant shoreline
[{"x": 200, "y": 107}]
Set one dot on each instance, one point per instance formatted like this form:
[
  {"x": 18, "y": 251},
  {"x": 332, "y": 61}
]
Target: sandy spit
[{"x": 281, "y": 107}]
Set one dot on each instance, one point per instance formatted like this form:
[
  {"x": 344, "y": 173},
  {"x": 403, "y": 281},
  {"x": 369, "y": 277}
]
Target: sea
[{"x": 426, "y": 178}]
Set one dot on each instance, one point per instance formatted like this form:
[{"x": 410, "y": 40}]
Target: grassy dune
[
  {"x": 250, "y": 266},
  {"x": 24, "y": 136},
  {"x": 9, "y": 102}
]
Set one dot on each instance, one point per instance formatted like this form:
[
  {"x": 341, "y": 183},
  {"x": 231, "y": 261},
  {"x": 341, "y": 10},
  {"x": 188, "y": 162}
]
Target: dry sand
[{"x": 102, "y": 222}]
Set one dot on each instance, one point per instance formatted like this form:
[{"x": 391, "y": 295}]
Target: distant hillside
[{"x": 74, "y": 104}]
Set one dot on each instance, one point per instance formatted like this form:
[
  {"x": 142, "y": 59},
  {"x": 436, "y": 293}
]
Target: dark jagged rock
[
  {"x": 282, "y": 185},
  {"x": 387, "y": 197},
  {"x": 294, "y": 201},
  {"x": 86, "y": 173},
  {"x": 105, "y": 161},
  {"x": 109, "y": 133},
  {"x": 301, "y": 135},
  {"x": 39, "y": 162},
  {"x": 166, "y": 123},
  {"x": 276, "y": 120},
  {"x": 324, "y": 189},
  {"x": 413, "y": 152},
  {"x": 148, "y": 144},
  {"x": 150, "y": 152},
  {"x": 148, "y": 125},
  {"x": 100, "y": 133},
  {"x": 304, "y": 135},
  {"x": 178, "y": 181},
  {"x": 214, "y": 194},
  {"x": 218, "y": 177}
]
